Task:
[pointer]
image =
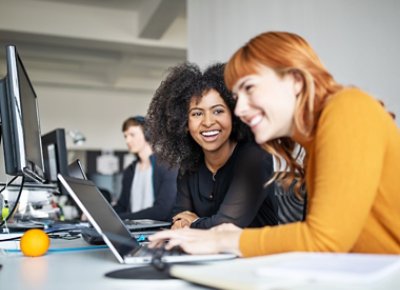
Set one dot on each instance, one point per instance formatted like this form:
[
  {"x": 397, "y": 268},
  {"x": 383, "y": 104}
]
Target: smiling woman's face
[
  {"x": 210, "y": 121},
  {"x": 266, "y": 103}
]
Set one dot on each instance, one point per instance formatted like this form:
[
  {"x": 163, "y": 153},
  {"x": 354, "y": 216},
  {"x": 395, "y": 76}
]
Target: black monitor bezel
[
  {"x": 56, "y": 138},
  {"x": 17, "y": 163}
]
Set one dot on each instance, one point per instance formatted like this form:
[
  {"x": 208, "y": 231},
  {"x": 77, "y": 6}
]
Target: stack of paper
[{"x": 298, "y": 271}]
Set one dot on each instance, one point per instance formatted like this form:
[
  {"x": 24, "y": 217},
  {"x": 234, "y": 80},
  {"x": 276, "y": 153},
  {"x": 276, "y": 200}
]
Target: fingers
[
  {"x": 183, "y": 216},
  {"x": 162, "y": 235},
  {"x": 176, "y": 225},
  {"x": 177, "y": 217},
  {"x": 184, "y": 234},
  {"x": 158, "y": 239},
  {"x": 156, "y": 244},
  {"x": 192, "y": 241},
  {"x": 183, "y": 219},
  {"x": 173, "y": 243},
  {"x": 224, "y": 238},
  {"x": 180, "y": 224}
]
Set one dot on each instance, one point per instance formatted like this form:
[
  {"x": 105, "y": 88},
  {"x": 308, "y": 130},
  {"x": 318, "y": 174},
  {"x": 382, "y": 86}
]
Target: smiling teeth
[
  {"x": 210, "y": 133},
  {"x": 255, "y": 120}
]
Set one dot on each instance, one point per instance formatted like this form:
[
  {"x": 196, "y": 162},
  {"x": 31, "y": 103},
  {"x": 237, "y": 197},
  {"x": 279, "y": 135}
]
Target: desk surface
[
  {"x": 72, "y": 268},
  {"x": 75, "y": 265}
]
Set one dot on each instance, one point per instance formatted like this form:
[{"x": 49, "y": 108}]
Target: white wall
[
  {"x": 83, "y": 110},
  {"x": 358, "y": 40},
  {"x": 87, "y": 63}
]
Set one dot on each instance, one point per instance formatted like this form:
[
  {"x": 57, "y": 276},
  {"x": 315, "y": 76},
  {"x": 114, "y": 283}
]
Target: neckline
[{"x": 214, "y": 174}]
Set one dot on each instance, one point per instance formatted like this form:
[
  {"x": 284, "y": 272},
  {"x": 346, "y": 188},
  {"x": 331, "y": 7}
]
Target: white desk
[
  {"x": 71, "y": 265},
  {"x": 72, "y": 269}
]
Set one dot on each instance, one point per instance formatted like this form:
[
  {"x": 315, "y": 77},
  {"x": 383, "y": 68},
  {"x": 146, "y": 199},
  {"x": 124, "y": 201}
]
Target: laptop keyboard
[
  {"x": 145, "y": 251},
  {"x": 131, "y": 222},
  {"x": 146, "y": 224},
  {"x": 92, "y": 237}
]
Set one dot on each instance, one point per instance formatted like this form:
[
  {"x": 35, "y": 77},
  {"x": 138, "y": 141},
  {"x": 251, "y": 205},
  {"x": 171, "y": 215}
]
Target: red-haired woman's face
[{"x": 266, "y": 103}]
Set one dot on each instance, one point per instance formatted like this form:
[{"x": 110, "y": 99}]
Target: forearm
[{"x": 229, "y": 242}]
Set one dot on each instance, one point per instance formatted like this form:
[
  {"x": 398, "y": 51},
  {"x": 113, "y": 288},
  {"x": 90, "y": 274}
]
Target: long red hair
[{"x": 286, "y": 52}]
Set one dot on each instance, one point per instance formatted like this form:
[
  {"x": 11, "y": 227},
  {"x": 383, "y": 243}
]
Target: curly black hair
[{"x": 167, "y": 116}]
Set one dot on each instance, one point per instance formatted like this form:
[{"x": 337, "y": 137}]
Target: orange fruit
[{"x": 34, "y": 243}]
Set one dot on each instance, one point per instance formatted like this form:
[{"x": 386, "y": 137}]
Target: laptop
[
  {"x": 113, "y": 230},
  {"x": 75, "y": 169}
]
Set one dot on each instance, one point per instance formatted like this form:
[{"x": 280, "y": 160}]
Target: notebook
[
  {"x": 75, "y": 169},
  {"x": 113, "y": 230}
]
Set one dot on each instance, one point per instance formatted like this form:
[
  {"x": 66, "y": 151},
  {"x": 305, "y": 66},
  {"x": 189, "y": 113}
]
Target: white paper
[{"x": 333, "y": 267}]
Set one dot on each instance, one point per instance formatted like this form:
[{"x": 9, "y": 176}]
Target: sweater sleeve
[{"x": 343, "y": 172}]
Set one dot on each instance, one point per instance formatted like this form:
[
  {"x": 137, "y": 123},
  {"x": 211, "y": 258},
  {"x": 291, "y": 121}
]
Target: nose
[
  {"x": 242, "y": 105},
  {"x": 208, "y": 119}
]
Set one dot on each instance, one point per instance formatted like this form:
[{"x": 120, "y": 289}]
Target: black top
[
  {"x": 164, "y": 185},
  {"x": 236, "y": 194}
]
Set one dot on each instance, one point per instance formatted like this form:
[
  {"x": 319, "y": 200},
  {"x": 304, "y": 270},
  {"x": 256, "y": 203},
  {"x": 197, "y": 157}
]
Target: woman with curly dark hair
[{"x": 222, "y": 171}]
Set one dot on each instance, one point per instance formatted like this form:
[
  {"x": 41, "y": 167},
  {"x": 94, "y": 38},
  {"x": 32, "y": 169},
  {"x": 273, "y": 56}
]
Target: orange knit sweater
[{"x": 353, "y": 185}]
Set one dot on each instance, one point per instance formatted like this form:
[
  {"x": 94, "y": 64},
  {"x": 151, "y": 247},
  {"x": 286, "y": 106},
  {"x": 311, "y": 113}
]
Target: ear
[{"x": 298, "y": 81}]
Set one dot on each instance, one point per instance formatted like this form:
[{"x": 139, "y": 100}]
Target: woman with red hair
[{"x": 351, "y": 149}]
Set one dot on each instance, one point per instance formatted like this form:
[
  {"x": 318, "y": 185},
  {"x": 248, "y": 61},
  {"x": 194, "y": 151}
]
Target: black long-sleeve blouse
[{"x": 236, "y": 194}]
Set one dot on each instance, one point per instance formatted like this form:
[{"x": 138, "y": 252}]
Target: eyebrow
[
  {"x": 212, "y": 107},
  {"x": 242, "y": 83}
]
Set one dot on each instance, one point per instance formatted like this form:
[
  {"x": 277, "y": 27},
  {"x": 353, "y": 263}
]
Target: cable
[
  {"x": 16, "y": 202},
  {"x": 65, "y": 235},
  {"x": 11, "y": 239},
  {"x": 8, "y": 183}
]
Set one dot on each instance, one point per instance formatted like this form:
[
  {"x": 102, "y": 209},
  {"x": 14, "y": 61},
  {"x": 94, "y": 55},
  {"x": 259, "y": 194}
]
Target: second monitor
[{"x": 55, "y": 156}]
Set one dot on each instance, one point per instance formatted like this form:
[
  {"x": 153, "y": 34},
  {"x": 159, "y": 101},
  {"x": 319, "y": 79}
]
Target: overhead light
[{"x": 77, "y": 137}]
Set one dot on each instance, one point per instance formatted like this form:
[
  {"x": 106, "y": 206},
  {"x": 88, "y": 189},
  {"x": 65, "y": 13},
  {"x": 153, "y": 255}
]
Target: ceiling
[{"x": 124, "y": 45}]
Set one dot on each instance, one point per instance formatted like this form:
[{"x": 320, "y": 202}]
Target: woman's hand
[
  {"x": 223, "y": 238},
  {"x": 183, "y": 220}
]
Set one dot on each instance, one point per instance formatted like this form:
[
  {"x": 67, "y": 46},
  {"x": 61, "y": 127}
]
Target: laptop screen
[
  {"x": 101, "y": 213},
  {"x": 75, "y": 170}
]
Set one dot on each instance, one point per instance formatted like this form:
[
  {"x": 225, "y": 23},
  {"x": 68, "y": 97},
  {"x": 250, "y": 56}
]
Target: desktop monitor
[
  {"x": 20, "y": 125},
  {"x": 55, "y": 156}
]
